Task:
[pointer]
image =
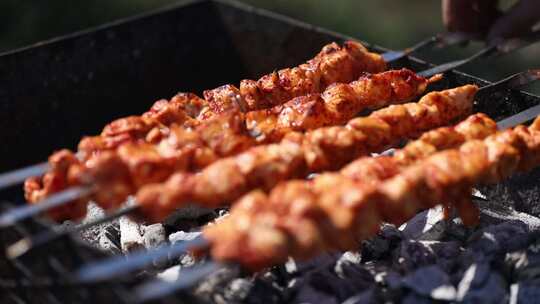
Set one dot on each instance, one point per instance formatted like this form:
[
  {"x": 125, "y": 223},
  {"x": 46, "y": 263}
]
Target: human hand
[{"x": 481, "y": 18}]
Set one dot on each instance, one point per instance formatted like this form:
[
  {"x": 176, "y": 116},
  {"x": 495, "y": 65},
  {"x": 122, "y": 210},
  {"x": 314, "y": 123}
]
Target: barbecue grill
[{"x": 54, "y": 92}]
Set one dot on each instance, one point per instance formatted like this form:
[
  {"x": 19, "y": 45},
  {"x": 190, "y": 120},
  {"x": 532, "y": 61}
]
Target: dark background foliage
[{"x": 390, "y": 23}]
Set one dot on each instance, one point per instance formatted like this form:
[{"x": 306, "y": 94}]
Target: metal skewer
[
  {"x": 17, "y": 214},
  {"x": 26, "y": 244},
  {"x": 119, "y": 265},
  {"x": 12, "y": 178},
  {"x": 439, "y": 41},
  {"x": 503, "y": 47}
]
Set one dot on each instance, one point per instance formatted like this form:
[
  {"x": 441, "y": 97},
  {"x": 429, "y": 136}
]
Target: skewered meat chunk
[
  {"x": 333, "y": 64},
  {"x": 38, "y": 188},
  {"x": 337, "y": 104},
  {"x": 335, "y": 211},
  {"x": 299, "y": 154},
  {"x": 176, "y": 148}
]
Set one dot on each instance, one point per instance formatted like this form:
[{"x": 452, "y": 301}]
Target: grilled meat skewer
[
  {"x": 337, "y": 104},
  {"x": 180, "y": 149},
  {"x": 334, "y": 64},
  {"x": 335, "y": 211},
  {"x": 299, "y": 154}
]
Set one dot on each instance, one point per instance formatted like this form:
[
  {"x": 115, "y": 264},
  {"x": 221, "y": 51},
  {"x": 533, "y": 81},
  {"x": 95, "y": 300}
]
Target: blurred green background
[{"x": 389, "y": 23}]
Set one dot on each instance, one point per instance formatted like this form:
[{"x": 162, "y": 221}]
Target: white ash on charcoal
[
  {"x": 524, "y": 265},
  {"x": 494, "y": 240},
  {"x": 154, "y": 236},
  {"x": 428, "y": 259},
  {"x": 131, "y": 238},
  {"x": 481, "y": 284},
  {"x": 525, "y": 292},
  {"x": 521, "y": 192},
  {"x": 431, "y": 282},
  {"x": 188, "y": 218},
  {"x": 496, "y": 214},
  {"x": 105, "y": 236},
  {"x": 109, "y": 239}
]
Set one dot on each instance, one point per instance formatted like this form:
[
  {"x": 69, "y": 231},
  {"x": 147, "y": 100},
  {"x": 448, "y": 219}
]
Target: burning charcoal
[
  {"x": 154, "y": 236},
  {"x": 520, "y": 192},
  {"x": 382, "y": 244},
  {"x": 242, "y": 290},
  {"x": 170, "y": 274},
  {"x": 502, "y": 238},
  {"x": 524, "y": 264},
  {"x": 324, "y": 280},
  {"x": 431, "y": 282},
  {"x": 324, "y": 260},
  {"x": 181, "y": 236},
  {"x": 413, "y": 254},
  {"x": 455, "y": 230},
  {"x": 383, "y": 275},
  {"x": 210, "y": 289},
  {"x": 525, "y": 292},
  {"x": 187, "y": 260},
  {"x": 109, "y": 240},
  {"x": 482, "y": 285},
  {"x": 445, "y": 253},
  {"x": 353, "y": 272},
  {"x": 92, "y": 234},
  {"x": 270, "y": 277},
  {"x": 310, "y": 294},
  {"x": 238, "y": 290},
  {"x": 375, "y": 248},
  {"x": 390, "y": 232},
  {"x": 130, "y": 235},
  {"x": 351, "y": 256},
  {"x": 496, "y": 214},
  {"x": 366, "y": 297},
  {"x": 413, "y": 298},
  {"x": 185, "y": 218},
  {"x": 426, "y": 225}
]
